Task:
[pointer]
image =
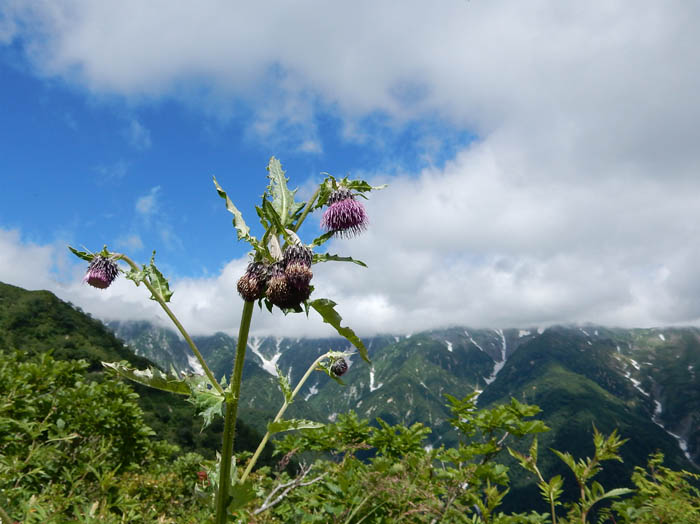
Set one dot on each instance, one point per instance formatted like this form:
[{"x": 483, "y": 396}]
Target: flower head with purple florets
[
  {"x": 251, "y": 286},
  {"x": 101, "y": 272},
  {"x": 345, "y": 216}
]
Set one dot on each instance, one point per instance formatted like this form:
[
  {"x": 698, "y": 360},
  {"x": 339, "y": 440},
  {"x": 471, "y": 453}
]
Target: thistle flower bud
[
  {"x": 339, "y": 367},
  {"x": 251, "y": 285},
  {"x": 282, "y": 292},
  {"x": 345, "y": 216},
  {"x": 298, "y": 274},
  {"x": 297, "y": 253},
  {"x": 101, "y": 272}
]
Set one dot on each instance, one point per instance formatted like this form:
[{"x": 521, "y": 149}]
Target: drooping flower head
[
  {"x": 345, "y": 216},
  {"x": 339, "y": 367},
  {"x": 297, "y": 266},
  {"x": 282, "y": 292},
  {"x": 251, "y": 286},
  {"x": 101, "y": 272}
]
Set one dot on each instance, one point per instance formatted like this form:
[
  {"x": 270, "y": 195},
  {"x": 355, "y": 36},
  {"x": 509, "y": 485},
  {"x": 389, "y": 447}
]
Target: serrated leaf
[
  {"x": 242, "y": 229},
  {"x": 274, "y": 218},
  {"x": 322, "y": 239},
  {"x": 82, "y": 254},
  {"x": 326, "y": 257},
  {"x": 284, "y": 385},
  {"x": 158, "y": 281},
  {"x": 282, "y": 198},
  {"x": 241, "y": 494},
  {"x": 326, "y": 308},
  {"x": 151, "y": 377},
  {"x": 292, "y": 424},
  {"x": 154, "y": 277},
  {"x": 207, "y": 402}
]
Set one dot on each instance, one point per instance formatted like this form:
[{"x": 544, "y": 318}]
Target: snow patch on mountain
[
  {"x": 194, "y": 365},
  {"x": 682, "y": 443},
  {"x": 268, "y": 364},
  {"x": 473, "y": 341},
  {"x": 312, "y": 391},
  {"x": 372, "y": 387},
  {"x": 449, "y": 345},
  {"x": 499, "y": 365}
]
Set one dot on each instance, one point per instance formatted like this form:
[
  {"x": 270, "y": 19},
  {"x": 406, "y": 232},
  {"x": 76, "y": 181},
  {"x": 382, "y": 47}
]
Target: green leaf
[
  {"x": 284, "y": 385},
  {"x": 82, "y": 254},
  {"x": 326, "y": 308},
  {"x": 241, "y": 494},
  {"x": 325, "y": 257},
  {"x": 276, "y": 220},
  {"x": 330, "y": 184},
  {"x": 154, "y": 277},
  {"x": 207, "y": 400},
  {"x": 158, "y": 281},
  {"x": 292, "y": 424},
  {"x": 152, "y": 377},
  {"x": 242, "y": 228},
  {"x": 322, "y": 239},
  {"x": 282, "y": 198}
]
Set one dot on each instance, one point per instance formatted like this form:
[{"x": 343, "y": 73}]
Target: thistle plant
[{"x": 279, "y": 275}]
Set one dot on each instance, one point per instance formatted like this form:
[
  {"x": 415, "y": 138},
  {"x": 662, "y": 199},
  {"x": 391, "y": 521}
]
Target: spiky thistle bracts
[
  {"x": 345, "y": 216},
  {"x": 101, "y": 272},
  {"x": 339, "y": 367},
  {"x": 284, "y": 292},
  {"x": 251, "y": 286}
]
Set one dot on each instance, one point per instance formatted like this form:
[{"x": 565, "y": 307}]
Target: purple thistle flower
[
  {"x": 298, "y": 253},
  {"x": 299, "y": 275},
  {"x": 345, "y": 216},
  {"x": 251, "y": 285},
  {"x": 282, "y": 292},
  {"x": 339, "y": 367},
  {"x": 101, "y": 272}
]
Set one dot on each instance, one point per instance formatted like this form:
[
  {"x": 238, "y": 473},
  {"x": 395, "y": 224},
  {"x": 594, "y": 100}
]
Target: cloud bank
[{"x": 578, "y": 201}]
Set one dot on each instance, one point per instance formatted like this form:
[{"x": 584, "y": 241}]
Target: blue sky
[
  {"x": 91, "y": 169},
  {"x": 542, "y": 157}
]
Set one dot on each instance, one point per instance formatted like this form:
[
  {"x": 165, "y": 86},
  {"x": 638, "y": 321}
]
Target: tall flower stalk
[{"x": 278, "y": 275}]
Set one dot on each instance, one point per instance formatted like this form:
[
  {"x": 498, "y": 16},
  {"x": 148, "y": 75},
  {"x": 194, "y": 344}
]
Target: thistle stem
[
  {"x": 278, "y": 417},
  {"x": 232, "y": 396},
  {"x": 157, "y": 296},
  {"x": 308, "y": 207}
]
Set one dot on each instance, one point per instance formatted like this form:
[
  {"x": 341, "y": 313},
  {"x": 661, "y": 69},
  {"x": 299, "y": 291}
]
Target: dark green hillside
[
  {"x": 38, "y": 322},
  {"x": 575, "y": 385}
]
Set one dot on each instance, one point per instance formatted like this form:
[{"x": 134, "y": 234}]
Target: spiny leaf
[
  {"x": 82, "y": 254},
  {"x": 242, "y": 228},
  {"x": 207, "y": 400},
  {"x": 154, "y": 277},
  {"x": 284, "y": 385},
  {"x": 241, "y": 494},
  {"x": 158, "y": 281},
  {"x": 322, "y": 239},
  {"x": 325, "y": 257},
  {"x": 292, "y": 424},
  {"x": 152, "y": 377},
  {"x": 326, "y": 308},
  {"x": 282, "y": 198},
  {"x": 330, "y": 184},
  {"x": 274, "y": 218}
]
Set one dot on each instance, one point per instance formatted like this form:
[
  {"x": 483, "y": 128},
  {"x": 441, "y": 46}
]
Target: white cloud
[
  {"x": 138, "y": 135},
  {"x": 131, "y": 242},
  {"x": 147, "y": 205},
  {"x": 578, "y": 202}
]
